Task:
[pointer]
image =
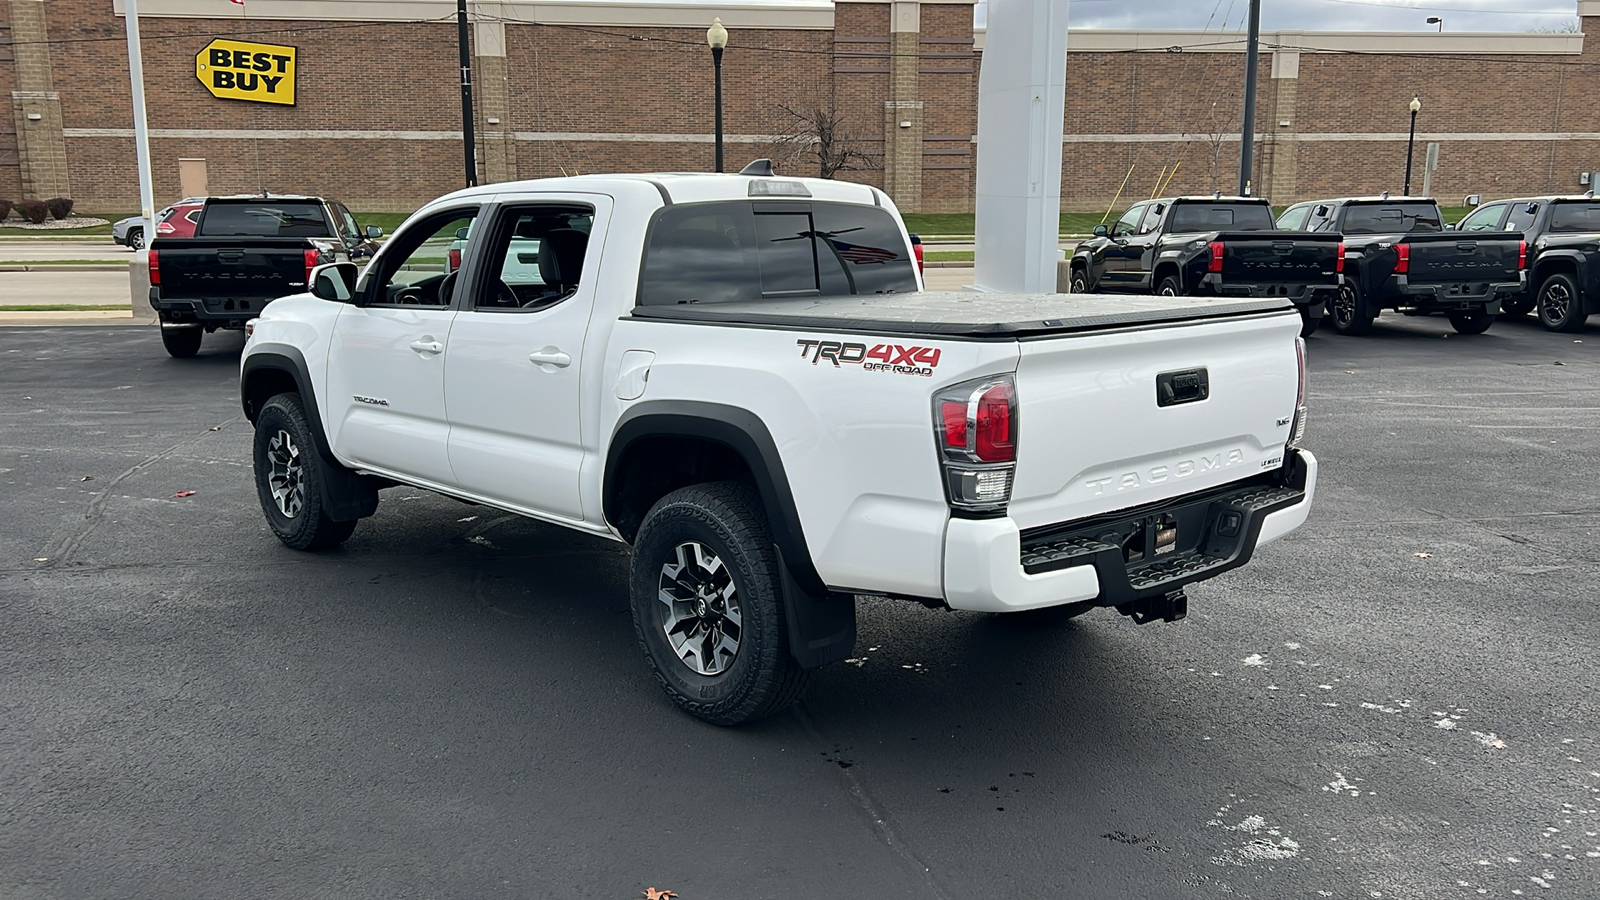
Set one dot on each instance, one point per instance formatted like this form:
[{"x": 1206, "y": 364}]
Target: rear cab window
[
  {"x": 1190, "y": 217},
  {"x": 729, "y": 251},
  {"x": 264, "y": 218},
  {"x": 1390, "y": 218}
]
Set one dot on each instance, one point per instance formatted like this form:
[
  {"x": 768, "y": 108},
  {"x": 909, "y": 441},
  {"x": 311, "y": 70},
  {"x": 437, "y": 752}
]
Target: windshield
[
  {"x": 1575, "y": 217},
  {"x": 1380, "y": 218},
  {"x": 1221, "y": 217},
  {"x": 265, "y": 218}
]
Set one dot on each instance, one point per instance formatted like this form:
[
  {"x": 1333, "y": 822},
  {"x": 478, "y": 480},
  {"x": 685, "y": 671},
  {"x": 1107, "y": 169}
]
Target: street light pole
[
  {"x": 717, "y": 37},
  {"x": 468, "y": 143},
  {"x": 1247, "y": 140},
  {"x": 1416, "y": 107}
]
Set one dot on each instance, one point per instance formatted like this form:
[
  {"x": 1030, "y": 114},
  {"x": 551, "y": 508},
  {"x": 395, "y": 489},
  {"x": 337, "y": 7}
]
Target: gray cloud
[{"x": 1324, "y": 15}]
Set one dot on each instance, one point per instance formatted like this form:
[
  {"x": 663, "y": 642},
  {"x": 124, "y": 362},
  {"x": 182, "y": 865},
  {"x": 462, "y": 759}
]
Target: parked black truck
[
  {"x": 1563, "y": 235},
  {"x": 1227, "y": 246},
  {"x": 246, "y": 252},
  {"x": 1398, "y": 255}
]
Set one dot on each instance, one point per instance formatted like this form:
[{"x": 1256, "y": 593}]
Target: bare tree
[{"x": 814, "y": 133}]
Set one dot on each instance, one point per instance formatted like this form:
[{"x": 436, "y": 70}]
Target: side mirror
[
  {"x": 1100, "y": 231},
  {"x": 1449, "y": 226},
  {"x": 1473, "y": 200},
  {"x": 1320, "y": 212},
  {"x": 461, "y": 233},
  {"x": 1531, "y": 209},
  {"x": 334, "y": 281},
  {"x": 374, "y": 232}
]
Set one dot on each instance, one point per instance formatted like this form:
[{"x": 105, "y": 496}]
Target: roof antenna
[
  {"x": 1216, "y": 195},
  {"x": 762, "y": 167},
  {"x": 1385, "y": 196}
]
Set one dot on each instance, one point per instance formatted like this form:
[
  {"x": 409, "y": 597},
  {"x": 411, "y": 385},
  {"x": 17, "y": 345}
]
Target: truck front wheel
[
  {"x": 1345, "y": 311},
  {"x": 708, "y": 605},
  {"x": 1560, "y": 304},
  {"x": 1170, "y": 286},
  {"x": 289, "y": 474}
]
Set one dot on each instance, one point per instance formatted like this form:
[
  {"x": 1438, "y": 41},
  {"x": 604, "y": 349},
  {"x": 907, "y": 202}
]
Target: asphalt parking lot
[{"x": 1396, "y": 701}]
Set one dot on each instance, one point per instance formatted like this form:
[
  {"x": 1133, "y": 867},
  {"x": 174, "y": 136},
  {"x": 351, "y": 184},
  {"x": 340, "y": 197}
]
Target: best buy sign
[{"x": 237, "y": 70}]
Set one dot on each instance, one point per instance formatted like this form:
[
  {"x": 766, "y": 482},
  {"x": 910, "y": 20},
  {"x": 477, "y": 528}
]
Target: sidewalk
[{"x": 13, "y": 318}]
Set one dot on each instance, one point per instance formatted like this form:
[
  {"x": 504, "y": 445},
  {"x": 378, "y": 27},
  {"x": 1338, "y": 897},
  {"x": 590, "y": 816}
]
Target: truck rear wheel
[
  {"x": 289, "y": 478},
  {"x": 1560, "y": 304},
  {"x": 1170, "y": 286},
  {"x": 181, "y": 343},
  {"x": 1346, "y": 313},
  {"x": 1471, "y": 321},
  {"x": 708, "y": 605},
  {"x": 1078, "y": 283}
]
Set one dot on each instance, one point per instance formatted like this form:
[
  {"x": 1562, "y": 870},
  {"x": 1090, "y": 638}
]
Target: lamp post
[
  {"x": 1437, "y": 20},
  {"x": 717, "y": 37},
  {"x": 1416, "y": 107}
]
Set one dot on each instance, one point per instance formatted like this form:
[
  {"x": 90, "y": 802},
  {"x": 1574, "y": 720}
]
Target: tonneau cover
[{"x": 964, "y": 313}]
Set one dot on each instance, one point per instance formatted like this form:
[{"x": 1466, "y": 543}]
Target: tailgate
[
  {"x": 1095, "y": 434},
  {"x": 195, "y": 268},
  {"x": 1296, "y": 258},
  {"x": 1449, "y": 257}
]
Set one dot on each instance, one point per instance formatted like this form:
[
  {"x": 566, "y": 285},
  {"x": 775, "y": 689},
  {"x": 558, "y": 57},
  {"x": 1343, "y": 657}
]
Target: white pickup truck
[{"x": 740, "y": 376}]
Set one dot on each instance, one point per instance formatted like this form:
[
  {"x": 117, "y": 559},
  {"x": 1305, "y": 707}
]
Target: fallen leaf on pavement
[
  {"x": 87, "y": 478},
  {"x": 1422, "y": 554},
  {"x": 184, "y": 494},
  {"x": 653, "y": 894}
]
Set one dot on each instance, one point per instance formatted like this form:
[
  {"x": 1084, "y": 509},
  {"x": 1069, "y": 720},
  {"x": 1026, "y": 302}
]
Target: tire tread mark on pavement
[
  {"x": 876, "y": 819},
  {"x": 61, "y": 551}
]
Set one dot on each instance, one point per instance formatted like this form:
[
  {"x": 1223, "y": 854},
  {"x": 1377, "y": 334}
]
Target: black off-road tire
[
  {"x": 1078, "y": 282},
  {"x": 727, "y": 520},
  {"x": 1170, "y": 286},
  {"x": 181, "y": 343},
  {"x": 1561, "y": 304},
  {"x": 1471, "y": 321},
  {"x": 286, "y": 458},
  {"x": 1343, "y": 311},
  {"x": 1519, "y": 305}
]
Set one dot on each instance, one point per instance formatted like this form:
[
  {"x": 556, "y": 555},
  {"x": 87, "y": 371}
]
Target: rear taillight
[
  {"x": 1522, "y": 255},
  {"x": 155, "y": 268},
  {"x": 1297, "y": 428},
  {"x": 312, "y": 257},
  {"x": 1216, "y": 257},
  {"x": 916, "y": 250},
  {"x": 455, "y": 261},
  {"x": 976, "y": 426},
  {"x": 1402, "y": 263},
  {"x": 1338, "y": 264}
]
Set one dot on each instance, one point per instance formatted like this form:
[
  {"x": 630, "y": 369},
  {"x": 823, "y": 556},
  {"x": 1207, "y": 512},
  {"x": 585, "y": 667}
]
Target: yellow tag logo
[{"x": 237, "y": 70}]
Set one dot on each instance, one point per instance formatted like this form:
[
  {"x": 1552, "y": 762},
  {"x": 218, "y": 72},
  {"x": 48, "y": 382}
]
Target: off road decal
[{"x": 897, "y": 358}]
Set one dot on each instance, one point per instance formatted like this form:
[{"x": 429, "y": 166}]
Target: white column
[
  {"x": 1021, "y": 102},
  {"x": 141, "y": 136}
]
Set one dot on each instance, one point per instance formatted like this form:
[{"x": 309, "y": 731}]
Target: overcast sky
[{"x": 1326, "y": 15}]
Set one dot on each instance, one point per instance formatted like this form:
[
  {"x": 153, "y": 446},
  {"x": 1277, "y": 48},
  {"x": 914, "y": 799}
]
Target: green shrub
[
  {"x": 60, "y": 207},
  {"x": 5, "y": 208}
]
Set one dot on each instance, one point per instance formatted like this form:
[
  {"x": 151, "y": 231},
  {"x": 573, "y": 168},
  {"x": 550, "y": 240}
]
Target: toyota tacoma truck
[
  {"x": 740, "y": 377},
  {"x": 245, "y": 251},
  {"x": 1218, "y": 246},
  {"x": 1563, "y": 261},
  {"x": 1399, "y": 256}
]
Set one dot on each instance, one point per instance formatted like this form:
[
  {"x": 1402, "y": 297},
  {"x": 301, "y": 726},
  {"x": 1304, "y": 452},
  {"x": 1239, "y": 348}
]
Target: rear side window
[
  {"x": 722, "y": 252},
  {"x": 266, "y": 218},
  {"x": 1189, "y": 217},
  {"x": 1375, "y": 218},
  {"x": 1575, "y": 217},
  {"x": 1294, "y": 219}
]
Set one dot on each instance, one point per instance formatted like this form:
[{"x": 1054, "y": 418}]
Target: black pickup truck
[
  {"x": 1398, "y": 255},
  {"x": 1226, "y": 246},
  {"x": 245, "y": 253},
  {"x": 1563, "y": 235}
]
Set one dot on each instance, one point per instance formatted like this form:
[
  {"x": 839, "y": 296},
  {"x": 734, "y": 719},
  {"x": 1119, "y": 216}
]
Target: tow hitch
[{"x": 1169, "y": 607}]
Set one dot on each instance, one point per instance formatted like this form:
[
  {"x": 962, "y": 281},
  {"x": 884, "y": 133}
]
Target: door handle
[
  {"x": 550, "y": 356},
  {"x": 427, "y": 346}
]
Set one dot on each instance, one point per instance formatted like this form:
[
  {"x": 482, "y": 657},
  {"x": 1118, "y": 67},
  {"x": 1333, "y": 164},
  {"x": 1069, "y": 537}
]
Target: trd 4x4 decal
[{"x": 896, "y": 358}]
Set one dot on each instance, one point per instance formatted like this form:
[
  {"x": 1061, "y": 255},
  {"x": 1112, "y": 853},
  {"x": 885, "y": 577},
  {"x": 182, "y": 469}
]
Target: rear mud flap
[{"x": 822, "y": 629}]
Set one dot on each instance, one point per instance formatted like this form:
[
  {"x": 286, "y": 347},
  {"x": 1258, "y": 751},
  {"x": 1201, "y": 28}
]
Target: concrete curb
[
  {"x": 62, "y": 317},
  {"x": 107, "y": 266}
]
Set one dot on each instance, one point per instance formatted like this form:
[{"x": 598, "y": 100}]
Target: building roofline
[{"x": 1194, "y": 41}]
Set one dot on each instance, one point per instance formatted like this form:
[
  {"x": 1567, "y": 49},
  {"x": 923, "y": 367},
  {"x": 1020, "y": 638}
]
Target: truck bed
[{"x": 965, "y": 314}]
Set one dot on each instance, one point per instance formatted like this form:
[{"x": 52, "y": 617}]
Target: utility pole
[
  {"x": 1252, "y": 59},
  {"x": 141, "y": 132},
  {"x": 468, "y": 145}
]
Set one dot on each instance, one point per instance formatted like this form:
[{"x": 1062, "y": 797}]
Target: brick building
[{"x": 597, "y": 85}]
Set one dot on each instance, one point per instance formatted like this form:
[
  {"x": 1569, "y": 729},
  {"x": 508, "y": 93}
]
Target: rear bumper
[
  {"x": 223, "y": 312},
  {"x": 1303, "y": 296},
  {"x": 991, "y": 566},
  {"x": 1450, "y": 295}
]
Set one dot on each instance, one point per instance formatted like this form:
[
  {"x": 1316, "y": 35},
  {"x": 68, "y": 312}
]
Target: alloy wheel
[
  {"x": 1557, "y": 301},
  {"x": 1344, "y": 306},
  {"x": 286, "y": 474},
  {"x": 700, "y": 612}
]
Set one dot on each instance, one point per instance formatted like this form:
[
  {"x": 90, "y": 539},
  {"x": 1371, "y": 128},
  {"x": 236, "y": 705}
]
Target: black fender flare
[
  {"x": 821, "y": 623},
  {"x": 1083, "y": 259},
  {"x": 346, "y": 495},
  {"x": 1588, "y": 293}
]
